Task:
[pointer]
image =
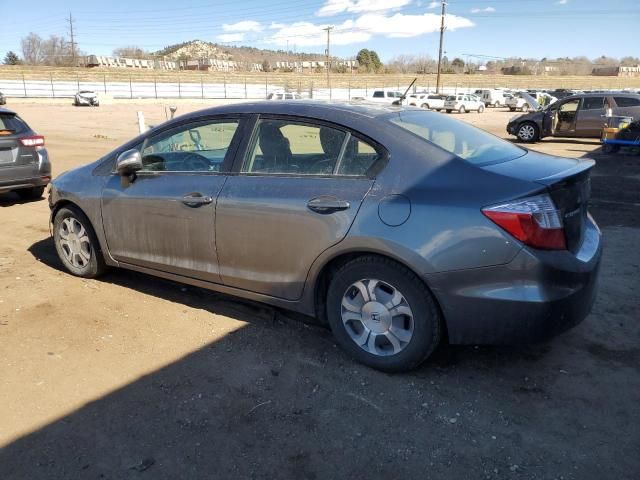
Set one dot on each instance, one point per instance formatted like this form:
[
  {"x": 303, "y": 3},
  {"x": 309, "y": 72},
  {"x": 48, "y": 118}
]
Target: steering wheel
[{"x": 193, "y": 162}]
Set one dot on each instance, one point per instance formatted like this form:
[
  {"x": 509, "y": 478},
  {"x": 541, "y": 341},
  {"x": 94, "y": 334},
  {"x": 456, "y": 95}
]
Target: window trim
[
  {"x": 140, "y": 141},
  {"x": 250, "y": 140}
]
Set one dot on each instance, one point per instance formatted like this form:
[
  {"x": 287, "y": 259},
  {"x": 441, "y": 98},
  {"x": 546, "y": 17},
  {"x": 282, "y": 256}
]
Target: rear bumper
[
  {"x": 39, "y": 175},
  {"x": 538, "y": 295}
]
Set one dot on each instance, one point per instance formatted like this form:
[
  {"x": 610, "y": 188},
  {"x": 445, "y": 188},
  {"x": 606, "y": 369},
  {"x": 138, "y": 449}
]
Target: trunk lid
[{"x": 566, "y": 180}]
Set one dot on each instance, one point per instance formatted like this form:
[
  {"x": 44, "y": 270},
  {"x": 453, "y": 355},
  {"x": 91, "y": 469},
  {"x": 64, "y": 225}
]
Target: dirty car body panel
[{"x": 273, "y": 236}]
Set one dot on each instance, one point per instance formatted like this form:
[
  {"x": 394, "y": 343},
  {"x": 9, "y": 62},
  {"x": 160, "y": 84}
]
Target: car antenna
[{"x": 404, "y": 95}]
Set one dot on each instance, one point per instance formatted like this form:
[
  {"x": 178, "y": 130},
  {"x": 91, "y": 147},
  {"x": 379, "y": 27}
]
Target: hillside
[{"x": 201, "y": 49}]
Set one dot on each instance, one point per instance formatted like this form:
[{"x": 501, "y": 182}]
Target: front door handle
[
  {"x": 196, "y": 200},
  {"x": 327, "y": 204}
]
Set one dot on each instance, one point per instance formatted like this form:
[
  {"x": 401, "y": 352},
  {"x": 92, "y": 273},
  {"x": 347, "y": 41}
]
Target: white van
[{"x": 494, "y": 97}]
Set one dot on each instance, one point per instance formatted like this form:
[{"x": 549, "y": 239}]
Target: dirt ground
[{"x": 131, "y": 376}]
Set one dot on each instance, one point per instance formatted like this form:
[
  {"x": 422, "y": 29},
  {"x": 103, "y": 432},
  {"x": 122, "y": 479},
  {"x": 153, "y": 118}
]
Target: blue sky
[{"x": 499, "y": 28}]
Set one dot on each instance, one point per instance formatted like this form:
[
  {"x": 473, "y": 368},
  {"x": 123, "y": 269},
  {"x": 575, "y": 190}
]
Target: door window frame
[
  {"x": 229, "y": 159},
  {"x": 250, "y": 138}
]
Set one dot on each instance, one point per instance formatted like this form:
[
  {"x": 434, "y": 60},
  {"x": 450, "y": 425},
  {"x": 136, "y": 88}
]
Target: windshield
[{"x": 460, "y": 138}]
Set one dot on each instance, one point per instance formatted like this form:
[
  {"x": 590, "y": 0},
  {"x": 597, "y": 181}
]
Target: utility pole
[
  {"x": 444, "y": 4},
  {"x": 73, "y": 43},
  {"x": 328, "y": 29}
]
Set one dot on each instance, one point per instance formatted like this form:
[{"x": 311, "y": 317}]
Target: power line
[
  {"x": 328, "y": 29},
  {"x": 442, "y": 15},
  {"x": 73, "y": 43}
]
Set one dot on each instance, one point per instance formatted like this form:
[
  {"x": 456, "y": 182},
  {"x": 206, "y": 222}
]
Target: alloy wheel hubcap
[
  {"x": 527, "y": 132},
  {"x": 74, "y": 242},
  {"x": 377, "y": 317}
]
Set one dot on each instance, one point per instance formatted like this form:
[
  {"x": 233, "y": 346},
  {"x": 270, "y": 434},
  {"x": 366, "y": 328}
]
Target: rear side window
[
  {"x": 463, "y": 140},
  {"x": 627, "y": 102},
  {"x": 10, "y": 124},
  {"x": 378, "y": 94},
  {"x": 593, "y": 103},
  {"x": 297, "y": 148}
]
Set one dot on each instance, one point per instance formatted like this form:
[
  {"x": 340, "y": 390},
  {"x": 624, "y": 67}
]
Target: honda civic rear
[{"x": 545, "y": 281}]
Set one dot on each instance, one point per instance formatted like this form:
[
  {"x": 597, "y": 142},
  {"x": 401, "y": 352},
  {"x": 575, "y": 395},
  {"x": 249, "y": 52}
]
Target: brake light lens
[
  {"x": 534, "y": 221},
  {"x": 33, "y": 141}
]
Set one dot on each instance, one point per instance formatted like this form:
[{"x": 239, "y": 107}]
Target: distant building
[{"x": 621, "y": 71}]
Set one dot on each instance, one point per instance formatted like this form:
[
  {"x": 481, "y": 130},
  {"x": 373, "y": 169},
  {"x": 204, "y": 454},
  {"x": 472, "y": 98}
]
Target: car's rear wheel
[
  {"x": 449, "y": 110},
  {"x": 425, "y": 105},
  {"x": 512, "y": 109},
  {"x": 462, "y": 109},
  {"x": 382, "y": 314},
  {"x": 30, "y": 193},
  {"x": 525, "y": 108},
  {"x": 497, "y": 104},
  {"x": 77, "y": 244},
  {"x": 481, "y": 109},
  {"x": 528, "y": 132}
]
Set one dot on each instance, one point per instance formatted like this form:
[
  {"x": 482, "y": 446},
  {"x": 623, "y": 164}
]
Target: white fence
[{"x": 137, "y": 90}]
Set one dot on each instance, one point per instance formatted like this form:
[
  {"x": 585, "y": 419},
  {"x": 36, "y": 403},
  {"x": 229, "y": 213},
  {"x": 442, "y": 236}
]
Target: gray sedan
[{"x": 398, "y": 227}]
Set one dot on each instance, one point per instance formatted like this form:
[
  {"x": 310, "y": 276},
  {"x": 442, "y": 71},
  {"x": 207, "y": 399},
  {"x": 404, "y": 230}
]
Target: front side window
[
  {"x": 199, "y": 147},
  {"x": 571, "y": 106},
  {"x": 298, "y": 148},
  {"x": 593, "y": 103},
  {"x": 461, "y": 139}
]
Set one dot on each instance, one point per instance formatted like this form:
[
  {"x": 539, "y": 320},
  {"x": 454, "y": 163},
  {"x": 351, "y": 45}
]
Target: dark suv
[
  {"x": 24, "y": 162},
  {"x": 580, "y": 115}
]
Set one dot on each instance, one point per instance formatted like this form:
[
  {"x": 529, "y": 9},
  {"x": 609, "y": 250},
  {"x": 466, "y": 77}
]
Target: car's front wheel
[
  {"x": 481, "y": 109},
  {"x": 77, "y": 244},
  {"x": 382, "y": 314},
  {"x": 527, "y": 132}
]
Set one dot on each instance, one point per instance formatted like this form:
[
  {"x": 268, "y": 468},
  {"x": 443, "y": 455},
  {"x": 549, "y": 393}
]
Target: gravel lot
[{"x": 132, "y": 376}]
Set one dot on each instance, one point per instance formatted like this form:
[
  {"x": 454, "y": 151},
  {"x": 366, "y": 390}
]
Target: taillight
[
  {"x": 33, "y": 141},
  {"x": 534, "y": 221}
]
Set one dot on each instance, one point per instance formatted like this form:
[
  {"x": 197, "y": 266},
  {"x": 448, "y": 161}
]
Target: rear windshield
[
  {"x": 11, "y": 124},
  {"x": 466, "y": 141}
]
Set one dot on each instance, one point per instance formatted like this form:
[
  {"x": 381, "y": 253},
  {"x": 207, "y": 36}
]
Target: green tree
[
  {"x": 369, "y": 60},
  {"x": 12, "y": 59},
  {"x": 457, "y": 65}
]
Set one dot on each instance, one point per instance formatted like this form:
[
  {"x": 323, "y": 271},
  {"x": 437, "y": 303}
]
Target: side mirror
[{"x": 129, "y": 162}]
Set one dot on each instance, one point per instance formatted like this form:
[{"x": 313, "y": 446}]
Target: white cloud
[
  {"x": 365, "y": 27},
  {"x": 333, "y": 7},
  {"x": 404, "y": 26},
  {"x": 434, "y": 5},
  {"x": 244, "y": 26},
  {"x": 230, "y": 37},
  {"x": 562, "y": 2},
  {"x": 483, "y": 10}
]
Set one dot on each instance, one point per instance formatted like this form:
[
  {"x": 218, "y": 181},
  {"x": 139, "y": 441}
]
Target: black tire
[
  {"x": 96, "y": 265},
  {"x": 608, "y": 148},
  {"x": 528, "y": 132},
  {"x": 427, "y": 322},
  {"x": 462, "y": 109},
  {"x": 449, "y": 111},
  {"x": 512, "y": 109},
  {"x": 481, "y": 109},
  {"x": 30, "y": 193},
  {"x": 425, "y": 105}
]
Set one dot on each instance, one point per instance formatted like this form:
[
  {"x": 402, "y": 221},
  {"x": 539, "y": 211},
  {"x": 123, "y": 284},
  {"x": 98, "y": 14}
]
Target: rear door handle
[
  {"x": 196, "y": 200},
  {"x": 327, "y": 204}
]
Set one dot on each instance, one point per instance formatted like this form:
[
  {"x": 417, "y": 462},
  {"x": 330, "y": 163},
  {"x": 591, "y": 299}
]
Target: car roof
[
  {"x": 600, "y": 94},
  {"x": 7, "y": 111},
  {"x": 307, "y": 108}
]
